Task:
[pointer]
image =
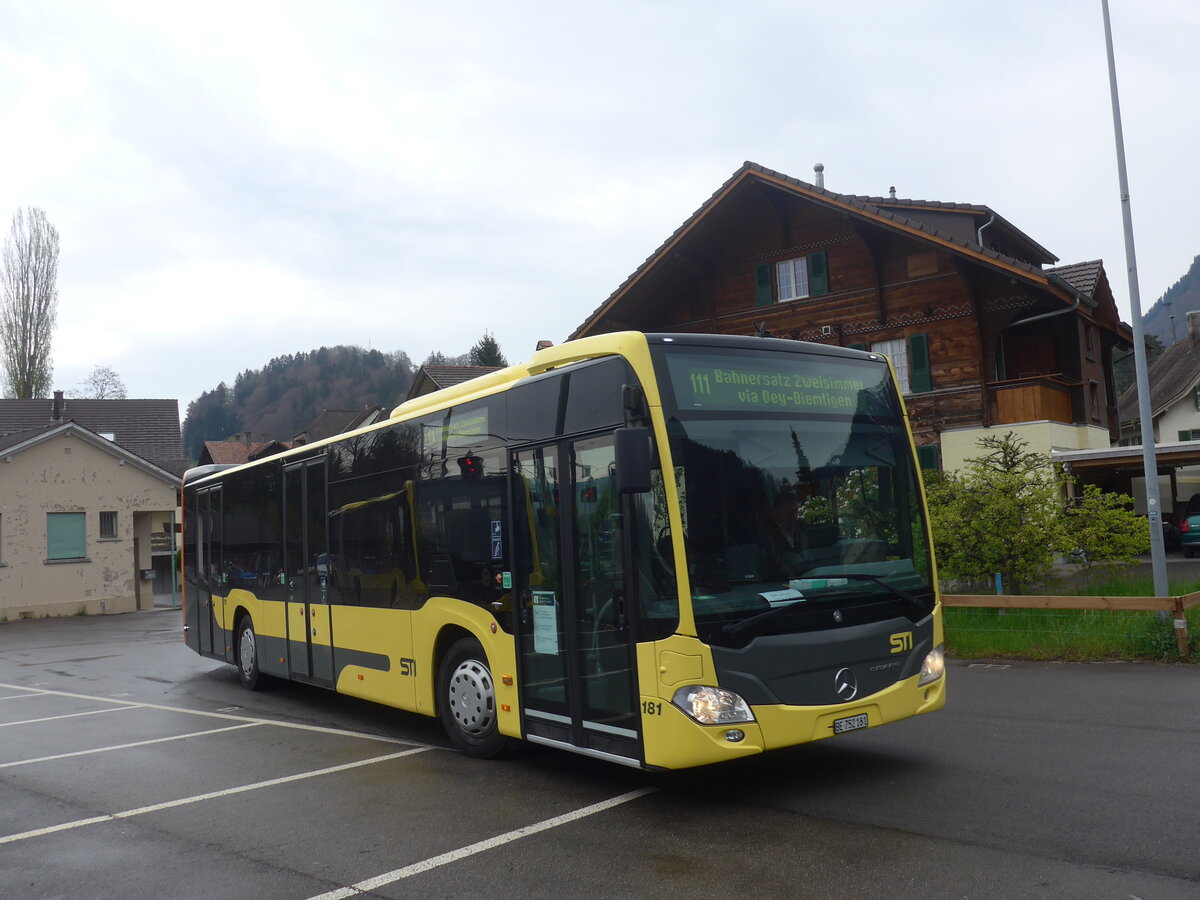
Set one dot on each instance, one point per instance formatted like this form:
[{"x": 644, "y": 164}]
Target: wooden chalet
[{"x": 985, "y": 334}]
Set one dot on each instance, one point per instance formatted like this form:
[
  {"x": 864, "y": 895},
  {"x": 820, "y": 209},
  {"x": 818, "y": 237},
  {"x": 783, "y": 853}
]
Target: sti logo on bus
[{"x": 901, "y": 642}]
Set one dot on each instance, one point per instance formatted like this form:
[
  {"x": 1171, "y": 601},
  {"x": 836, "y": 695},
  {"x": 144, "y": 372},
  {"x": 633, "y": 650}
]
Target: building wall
[
  {"x": 1183, "y": 416},
  {"x": 69, "y": 474},
  {"x": 961, "y": 444}
]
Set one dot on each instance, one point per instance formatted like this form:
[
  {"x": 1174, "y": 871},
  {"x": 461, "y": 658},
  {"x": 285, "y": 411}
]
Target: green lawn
[{"x": 1074, "y": 634}]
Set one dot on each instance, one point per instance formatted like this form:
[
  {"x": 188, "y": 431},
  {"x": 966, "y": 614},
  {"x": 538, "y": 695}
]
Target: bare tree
[
  {"x": 29, "y": 304},
  {"x": 103, "y": 384}
]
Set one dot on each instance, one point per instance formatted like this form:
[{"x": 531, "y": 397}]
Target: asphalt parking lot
[
  {"x": 129, "y": 766},
  {"x": 108, "y": 795}
]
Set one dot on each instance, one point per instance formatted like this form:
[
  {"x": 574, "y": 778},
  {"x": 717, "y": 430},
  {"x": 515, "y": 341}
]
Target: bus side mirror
[{"x": 632, "y": 451}]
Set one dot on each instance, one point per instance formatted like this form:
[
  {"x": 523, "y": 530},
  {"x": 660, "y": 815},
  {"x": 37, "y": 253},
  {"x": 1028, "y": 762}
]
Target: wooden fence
[{"x": 1175, "y": 605}]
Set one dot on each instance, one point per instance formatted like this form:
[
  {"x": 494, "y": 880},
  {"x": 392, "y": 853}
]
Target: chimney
[
  {"x": 1194, "y": 326},
  {"x": 544, "y": 345},
  {"x": 819, "y": 168},
  {"x": 892, "y": 192},
  {"x": 246, "y": 438},
  {"x": 57, "y": 410}
]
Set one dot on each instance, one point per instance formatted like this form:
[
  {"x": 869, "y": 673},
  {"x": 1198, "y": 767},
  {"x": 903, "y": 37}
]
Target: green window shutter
[
  {"x": 858, "y": 346},
  {"x": 920, "y": 377},
  {"x": 927, "y": 457},
  {"x": 818, "y": 274},
  {"x": 66, "y": 536},
  {"x": 1185, "y": 435},
  {"x": 762, "y": 285}
]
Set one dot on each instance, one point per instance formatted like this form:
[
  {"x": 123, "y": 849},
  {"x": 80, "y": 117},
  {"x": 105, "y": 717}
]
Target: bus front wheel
[{"x": 467, "y": 700}]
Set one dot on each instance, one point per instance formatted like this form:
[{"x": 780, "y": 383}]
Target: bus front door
[
  {"x": 577, "y": 673},
  {"x": 306, "y": 564}
]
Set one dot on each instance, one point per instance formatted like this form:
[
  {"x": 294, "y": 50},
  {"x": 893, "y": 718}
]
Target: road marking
[
  {"x": 219, "y": 715},
  {"x": 32, "y": 693},
  {"x": 211, "y": 795},
  {"x": 90, "y": 712},
  {"x": 161, "y": 740},
  {"x": 433, "y": 862}
]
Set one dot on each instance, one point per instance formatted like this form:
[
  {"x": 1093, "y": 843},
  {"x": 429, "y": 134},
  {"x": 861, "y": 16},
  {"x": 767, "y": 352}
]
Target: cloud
[{"x": 238, "y": 181}]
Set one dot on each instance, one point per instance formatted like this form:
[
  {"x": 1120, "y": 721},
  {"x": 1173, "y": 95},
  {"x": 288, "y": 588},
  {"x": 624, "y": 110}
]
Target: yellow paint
[{"x": 785, "y": 726}]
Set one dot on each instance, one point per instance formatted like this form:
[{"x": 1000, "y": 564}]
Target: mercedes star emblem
[{"x": 845, "y": 685}]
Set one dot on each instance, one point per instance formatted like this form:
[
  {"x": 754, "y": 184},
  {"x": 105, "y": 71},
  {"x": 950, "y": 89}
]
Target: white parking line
[
  {"x": 90, "y": 712},
  {"x": 32, "y": 693},
  {"x": 161, "y": 740},
  {"x": 219, "y": 715},
  {"x": 433, "y": 862},
  {"x": 199, "y": 798}
]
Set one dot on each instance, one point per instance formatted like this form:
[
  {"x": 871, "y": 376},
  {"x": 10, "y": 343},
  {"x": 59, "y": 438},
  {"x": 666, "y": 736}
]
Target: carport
[{"x": 1121, "y": 469}]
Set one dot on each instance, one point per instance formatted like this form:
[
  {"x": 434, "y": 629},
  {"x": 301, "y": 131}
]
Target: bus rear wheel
[
  {"x": 467, "y": 701},
  {"x": 247, "y": 656}
]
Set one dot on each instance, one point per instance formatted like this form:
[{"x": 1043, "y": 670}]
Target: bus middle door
[{"x": 306, "y": 564}]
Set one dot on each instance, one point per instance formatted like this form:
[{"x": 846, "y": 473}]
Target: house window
[
  {"x": 927, "y": 457},
  {"x": 1088, "y": 338},
  {"x": 792, "y": 277},
  {"x": 66, "y": 535},
  {"x": 108, "y": 525},
  {"x": 1186, "y": 435},
  {"x": 1095, "y": 397},
  {"x": 795, "y": 279},
  {"x": 910, "y": 359},
  {"x": 897, "y": 352}
]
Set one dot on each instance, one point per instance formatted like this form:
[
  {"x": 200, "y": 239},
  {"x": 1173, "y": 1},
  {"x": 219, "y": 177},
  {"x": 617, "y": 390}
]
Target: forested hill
[
  {"x": 278, "y": 400},
  {"x": 1182, "y": 297}
]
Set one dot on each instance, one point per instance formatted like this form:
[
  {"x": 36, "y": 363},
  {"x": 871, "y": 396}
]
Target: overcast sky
[{"x": 236, "y": 181}]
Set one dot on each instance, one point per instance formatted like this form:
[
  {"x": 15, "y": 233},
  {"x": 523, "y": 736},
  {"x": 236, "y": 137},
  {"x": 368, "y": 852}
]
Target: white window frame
[
  {"x": 896, "y": 350},
  {"x": 791, "y": 279}
]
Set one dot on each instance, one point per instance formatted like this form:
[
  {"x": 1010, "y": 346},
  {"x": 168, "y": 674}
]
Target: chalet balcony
[{"x": 1038, "y": 398}]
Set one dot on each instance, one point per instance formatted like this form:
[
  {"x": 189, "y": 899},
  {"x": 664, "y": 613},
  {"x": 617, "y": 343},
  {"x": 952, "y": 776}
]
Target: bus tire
[
  {"x": 247, "y": 656},
  {"x": 467, "y": 701}
]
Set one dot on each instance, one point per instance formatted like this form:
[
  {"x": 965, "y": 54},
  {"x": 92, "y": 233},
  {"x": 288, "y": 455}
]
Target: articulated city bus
[{"x": 659, "y": 550}]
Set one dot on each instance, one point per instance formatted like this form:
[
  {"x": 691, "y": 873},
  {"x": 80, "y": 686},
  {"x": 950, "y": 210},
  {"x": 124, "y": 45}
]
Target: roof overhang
[
  {"x": 1167, "y": 456},
  {"x": 72, "y": 429}
]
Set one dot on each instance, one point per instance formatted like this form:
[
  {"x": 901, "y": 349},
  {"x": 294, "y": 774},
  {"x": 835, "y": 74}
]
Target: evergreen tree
[{"x": 486, "y": 352}]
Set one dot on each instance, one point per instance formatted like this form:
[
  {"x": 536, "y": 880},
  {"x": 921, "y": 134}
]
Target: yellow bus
[{"x": 658, "y": 550}]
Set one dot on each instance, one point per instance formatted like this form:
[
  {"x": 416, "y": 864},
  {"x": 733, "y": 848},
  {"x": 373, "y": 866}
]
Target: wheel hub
[
  {"x": 247, "y": 650},
  {"x": 472, "y": 697}
]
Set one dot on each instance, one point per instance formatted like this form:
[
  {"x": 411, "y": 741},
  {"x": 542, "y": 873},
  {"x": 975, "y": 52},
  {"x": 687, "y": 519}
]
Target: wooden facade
[{"x": 989, "y": 335}]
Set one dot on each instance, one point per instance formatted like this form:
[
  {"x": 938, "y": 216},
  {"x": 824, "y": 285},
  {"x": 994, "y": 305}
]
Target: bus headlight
[
  {"x": 934, "y": 666},
  {"x": 712, "y": 705}
]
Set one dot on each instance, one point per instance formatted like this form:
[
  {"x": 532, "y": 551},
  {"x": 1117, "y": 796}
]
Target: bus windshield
[{"x": 798, "y": 491}]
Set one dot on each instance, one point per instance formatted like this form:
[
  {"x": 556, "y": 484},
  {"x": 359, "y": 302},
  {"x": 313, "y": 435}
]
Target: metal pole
[{"x": 1158, "y": 557}]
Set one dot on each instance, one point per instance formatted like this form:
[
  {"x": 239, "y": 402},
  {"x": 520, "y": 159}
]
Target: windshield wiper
[
  {"x": 733, "y": 629},
  {"x": 904, "y": 595}
]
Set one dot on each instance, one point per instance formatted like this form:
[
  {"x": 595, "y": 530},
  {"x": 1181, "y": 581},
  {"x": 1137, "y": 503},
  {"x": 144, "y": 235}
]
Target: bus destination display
[{"x": 730, "y": 383}]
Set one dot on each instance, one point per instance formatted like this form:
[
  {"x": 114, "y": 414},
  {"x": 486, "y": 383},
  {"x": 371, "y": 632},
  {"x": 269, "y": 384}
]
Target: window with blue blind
[{"x": 66, "y": 535}]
